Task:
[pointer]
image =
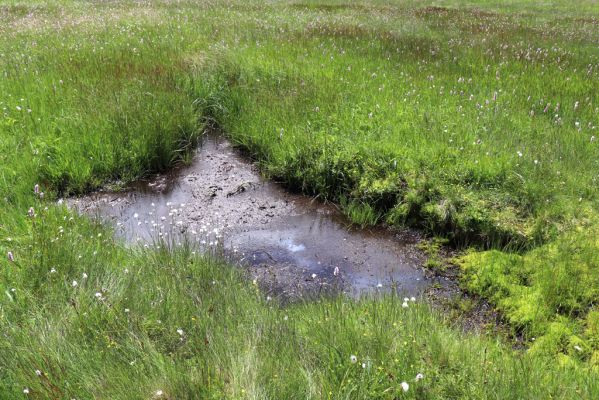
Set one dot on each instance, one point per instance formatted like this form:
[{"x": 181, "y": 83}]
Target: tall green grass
[{"x": 110, "y": 323}]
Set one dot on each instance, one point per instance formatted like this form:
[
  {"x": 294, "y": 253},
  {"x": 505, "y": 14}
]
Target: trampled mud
[{"x": 292, "y": 245}]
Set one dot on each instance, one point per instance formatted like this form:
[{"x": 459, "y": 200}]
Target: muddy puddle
[{"x": 292, "y": 245}]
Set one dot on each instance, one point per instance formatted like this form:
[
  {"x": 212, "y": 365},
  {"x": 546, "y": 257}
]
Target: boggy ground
[
  {"x": 295, "y": 246},
  {"x": 476, "y": 123}
]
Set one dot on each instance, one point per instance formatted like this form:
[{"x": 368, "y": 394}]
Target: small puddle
[{"x": 292, "y": 245}]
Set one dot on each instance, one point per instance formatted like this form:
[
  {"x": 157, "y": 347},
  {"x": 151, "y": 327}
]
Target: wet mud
[{"x": 293, "y": 246}]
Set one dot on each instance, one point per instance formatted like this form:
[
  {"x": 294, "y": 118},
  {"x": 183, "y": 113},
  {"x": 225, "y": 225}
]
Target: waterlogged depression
[{"x": 293, "y": 246}]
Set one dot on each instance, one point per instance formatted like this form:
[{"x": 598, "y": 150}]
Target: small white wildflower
[
  {"x": 419, "y": 377},
  {"x": 74, "y": 284},
  {"x": 53, "y": 270},
  {"x": 405, "y": 304},
  {"x": 313, "y": 276},
  {"x": 98, "y": 295},
  {"x": 519, "y": 153},
  {"x": 578, "y": 348},
  {"x": 364, "y": 365},
  {"x": 412, "y": 298},
  {"x": 180, "y": 332},
  {"x": 84, "y": 275},
  {"x": 336, "y": 271},
  {"x": 379, "y": 285},
  {"x": 404, "y": 386},
  {"x": 38, "y": 372},
  {"x": 126, "y": 310},
  {"x": 26, "y": 390},
  {"x": 353, "y": 359},
  {"x": 159, "y": 393}
]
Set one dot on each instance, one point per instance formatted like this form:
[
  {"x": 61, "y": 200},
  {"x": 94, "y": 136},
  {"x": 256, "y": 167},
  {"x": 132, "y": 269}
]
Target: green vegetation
[
  {"x": 476, "y": 122},
  {"x": 139, "y": 323}
]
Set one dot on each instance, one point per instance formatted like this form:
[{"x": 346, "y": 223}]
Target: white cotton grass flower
[
  {"x": 404, "y": 386},
  {"x": 353, "y": 359},
  {"x": 419, "y": 377},
  {"x": 412, "y": 298},
  {"x": 405, "y": 304}
]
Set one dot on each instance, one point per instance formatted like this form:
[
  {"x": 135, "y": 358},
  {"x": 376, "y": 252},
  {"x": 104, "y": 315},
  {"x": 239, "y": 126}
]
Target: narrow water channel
[{"x": 291, "y": 244}]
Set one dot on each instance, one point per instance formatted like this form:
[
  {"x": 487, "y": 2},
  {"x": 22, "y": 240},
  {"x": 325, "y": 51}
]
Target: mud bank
[{"x": 292, "y": 245}]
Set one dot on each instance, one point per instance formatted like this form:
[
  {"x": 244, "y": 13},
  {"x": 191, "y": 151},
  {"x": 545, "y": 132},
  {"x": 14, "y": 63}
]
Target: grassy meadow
[{"x": 474, "y": 121}]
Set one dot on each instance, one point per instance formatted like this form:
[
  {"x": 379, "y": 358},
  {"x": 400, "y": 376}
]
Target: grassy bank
[
  {"x": 477, "y": 123},
  {"x": 110, "y": 323}
]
